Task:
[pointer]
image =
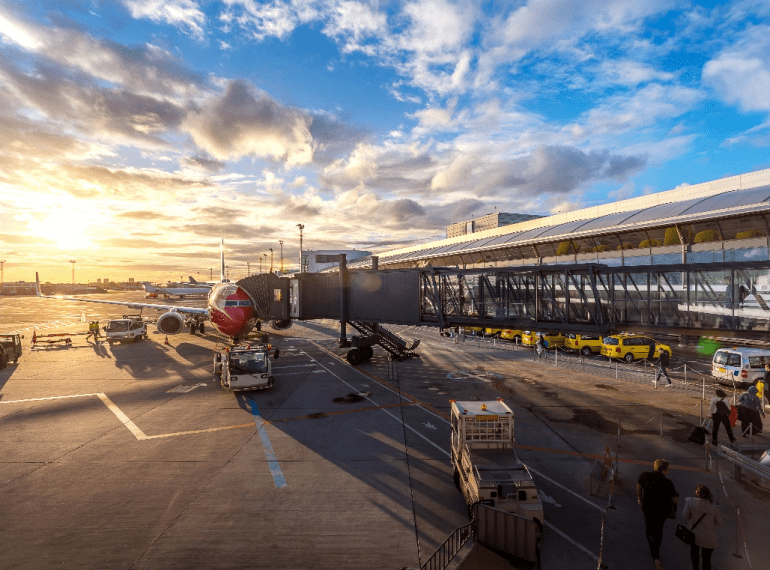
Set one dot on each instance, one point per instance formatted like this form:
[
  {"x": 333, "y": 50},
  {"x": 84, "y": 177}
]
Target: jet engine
[
  {"x": 281, "y": 324},
  {"x": 170, "y": 323}
]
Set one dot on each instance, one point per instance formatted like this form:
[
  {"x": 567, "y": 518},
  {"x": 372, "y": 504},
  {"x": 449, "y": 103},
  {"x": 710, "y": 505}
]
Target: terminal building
[
  {"x": 488, "y": 222},
  {"x": 721, "y": 221},
  {"x": 316, "y": 261}
]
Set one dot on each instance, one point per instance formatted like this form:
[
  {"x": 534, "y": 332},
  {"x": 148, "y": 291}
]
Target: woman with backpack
[
  {"x": 720, "y": 414},
  {"x": 704, "y": 517}
]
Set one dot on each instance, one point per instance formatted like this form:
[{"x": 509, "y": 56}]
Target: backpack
[{"x": 722, "y": 409}]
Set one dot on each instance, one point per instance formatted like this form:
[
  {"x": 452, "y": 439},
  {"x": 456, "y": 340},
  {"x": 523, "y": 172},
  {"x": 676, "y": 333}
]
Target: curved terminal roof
[{"x": 728, "y": 197}]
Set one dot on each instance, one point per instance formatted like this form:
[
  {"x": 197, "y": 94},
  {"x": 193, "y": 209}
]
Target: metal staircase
[{"x": 374, "y": 333}]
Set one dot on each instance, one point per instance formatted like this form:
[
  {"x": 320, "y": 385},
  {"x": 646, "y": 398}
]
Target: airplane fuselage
[{"x": 230, "y": 309}]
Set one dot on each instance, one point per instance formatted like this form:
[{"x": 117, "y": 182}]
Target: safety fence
[{"x": 505, "y": 532}]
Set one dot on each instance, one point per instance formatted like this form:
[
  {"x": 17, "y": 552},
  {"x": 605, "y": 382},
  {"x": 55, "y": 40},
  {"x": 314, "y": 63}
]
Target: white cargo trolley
[{"x": 486, "y": 468}]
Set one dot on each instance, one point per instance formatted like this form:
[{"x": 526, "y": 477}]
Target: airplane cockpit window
[{"x": 219, "y": 298}]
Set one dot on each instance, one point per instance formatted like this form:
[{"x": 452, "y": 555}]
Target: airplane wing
[{"x": 129, "y": 304}]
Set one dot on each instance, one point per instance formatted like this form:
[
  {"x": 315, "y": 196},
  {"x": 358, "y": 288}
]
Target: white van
[{"x": 739, "y": 367}]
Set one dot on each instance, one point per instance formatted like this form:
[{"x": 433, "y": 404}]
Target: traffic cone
[{"x": 167, "y": 342}]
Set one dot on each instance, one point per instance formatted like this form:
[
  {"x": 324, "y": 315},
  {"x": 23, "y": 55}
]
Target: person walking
[
  {"x": 657, "y": 497},
  {"x": 704, "y": 517},
  {"x": 662, "y": 362},
  {"x": 749, "y": 411},
  {"x": 762, "y": 386},
  {"x": 719, "y": 410},
  {"x": 540, "y": 346}
]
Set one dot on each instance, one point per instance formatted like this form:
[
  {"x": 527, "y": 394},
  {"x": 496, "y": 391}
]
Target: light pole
[
  {"x": 281, "y": 258},
  {"x": 72, "y": 261},
  {"x": 265, "y": 261},
  {"x": 248, "y": 268},
  {"x": 271, "y": 260},
  {"x": 301, "y": 227},
  {"x": 260, "y": 266},
  {"x": 2, "y": 277}
]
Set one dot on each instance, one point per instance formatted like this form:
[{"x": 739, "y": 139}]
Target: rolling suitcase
[{"x": 699, "y": 434}]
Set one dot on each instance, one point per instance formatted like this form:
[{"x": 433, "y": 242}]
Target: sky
[{"x": 136, "y": 133}]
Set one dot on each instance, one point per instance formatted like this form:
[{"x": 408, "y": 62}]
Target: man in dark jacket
[
  {"x": 657, "y": 497},
  {"x": 662, "y": 362}
]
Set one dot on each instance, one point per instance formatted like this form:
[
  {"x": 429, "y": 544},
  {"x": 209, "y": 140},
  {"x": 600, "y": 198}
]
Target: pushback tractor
[{"x": 486, "y": 467}]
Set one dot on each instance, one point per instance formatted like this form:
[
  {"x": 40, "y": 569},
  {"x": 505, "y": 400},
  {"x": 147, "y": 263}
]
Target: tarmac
[{"x": 132, "y": 455}]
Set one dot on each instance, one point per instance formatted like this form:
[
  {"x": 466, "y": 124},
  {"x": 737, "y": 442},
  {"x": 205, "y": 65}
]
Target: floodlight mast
[{"x": 301, "y": 227}]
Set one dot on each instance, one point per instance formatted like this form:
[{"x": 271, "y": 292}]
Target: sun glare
[{"x": 68, "y": 228}]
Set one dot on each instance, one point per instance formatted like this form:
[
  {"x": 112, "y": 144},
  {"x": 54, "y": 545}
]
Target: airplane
[
  {"x": 229, "y": 309},
  {"x": 180, "y": 291},
  {"x": 194, "y": 283}
]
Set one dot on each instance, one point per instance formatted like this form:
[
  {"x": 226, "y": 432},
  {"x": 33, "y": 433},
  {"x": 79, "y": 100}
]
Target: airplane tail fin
[
  {"x": 223, "y": 278},
  {"x": 192, "y": 281},
  {"x": 147, "y": 286},
  {"x": 37, "y": 285}
]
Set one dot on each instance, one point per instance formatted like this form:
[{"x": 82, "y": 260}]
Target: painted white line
[
  {"x": 568, "y": 539},
  {"x": 42, "y": 399},
  {"x": 410, "y": 428},
  {"x": 570, "y": 491},
  {"x": 124, "y": 419}
]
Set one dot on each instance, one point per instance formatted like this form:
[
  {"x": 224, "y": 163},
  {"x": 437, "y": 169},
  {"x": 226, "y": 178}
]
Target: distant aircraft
[
  {"x": 181, "y": 291},
  {"x": 229, "y": 309},
  {"x": 195, "y": 283}
]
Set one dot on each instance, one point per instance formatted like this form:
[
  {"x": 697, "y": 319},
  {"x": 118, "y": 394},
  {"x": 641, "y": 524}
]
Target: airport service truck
[
  {"x": 10, "y": 349},
  {"x": 486, "y": 467},
  {"x": 127, "y": 329},
  {"x": 244, "y": 367}
]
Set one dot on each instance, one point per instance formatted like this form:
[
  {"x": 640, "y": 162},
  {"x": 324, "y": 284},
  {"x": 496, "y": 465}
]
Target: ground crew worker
[{"x": 93, "y": 330}]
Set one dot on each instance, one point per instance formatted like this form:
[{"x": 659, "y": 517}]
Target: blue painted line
[{"x": 272, "y": 462}]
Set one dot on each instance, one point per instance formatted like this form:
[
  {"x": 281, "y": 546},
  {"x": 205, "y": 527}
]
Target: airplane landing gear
[{"x": 358, "y": 355}]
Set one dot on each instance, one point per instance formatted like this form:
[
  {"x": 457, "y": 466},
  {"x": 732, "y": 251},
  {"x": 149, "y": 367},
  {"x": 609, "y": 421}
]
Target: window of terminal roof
[
  {"x": 661, "y": 211},
  {"x": 733, "y": 199},
  {"x": 608, "y": 221},
  {"x": 563, "y": 229},
  {"x": 531, "y": 235}
]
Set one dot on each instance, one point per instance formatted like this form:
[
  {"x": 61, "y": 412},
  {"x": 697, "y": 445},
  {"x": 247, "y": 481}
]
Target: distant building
[
  {"x": 494, "y": 220},
  {"x": 315, "y": 261},
  {"x": 17, "y": 288}
]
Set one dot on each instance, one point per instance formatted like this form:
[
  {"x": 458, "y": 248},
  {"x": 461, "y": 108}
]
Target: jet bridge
[{"x": 728, "y": 299}]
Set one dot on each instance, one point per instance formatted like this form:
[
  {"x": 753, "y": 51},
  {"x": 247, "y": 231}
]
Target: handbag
[{"x": 685, "y": 534}]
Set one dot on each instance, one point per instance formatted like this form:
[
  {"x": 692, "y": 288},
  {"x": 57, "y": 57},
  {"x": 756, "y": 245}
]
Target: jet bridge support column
[{"x": 344, "y": 342}]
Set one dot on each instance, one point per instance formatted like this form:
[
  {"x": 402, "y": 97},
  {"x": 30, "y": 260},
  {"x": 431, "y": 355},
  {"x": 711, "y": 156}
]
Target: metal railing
[
  {"x": 444, "y": 554},
  {"x": 743, "y": 464}
]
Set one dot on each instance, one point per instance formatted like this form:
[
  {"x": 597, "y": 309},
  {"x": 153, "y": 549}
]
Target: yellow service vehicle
[
  {"x": 486, "y": 467},
  {"x": 631, "y": 347},
  {"x": 585, "y": 344},
  {"x": 552, "y": 339},
  {"x": 493, "y": 332},
  {"x": 513, "y": 335}
]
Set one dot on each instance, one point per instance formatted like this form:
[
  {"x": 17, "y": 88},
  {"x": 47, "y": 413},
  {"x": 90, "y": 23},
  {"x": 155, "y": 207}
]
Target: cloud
[
  {"x": 644, "y": 107},
  {"x": 184, "y": 14},
  {"x": 203, "y": 163},
  {"x": 145, "y": 68},
  {"x": 243, "y": 122},
  {"x": 548, "y": 169},
  {"x": 740, "y": 74}
]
